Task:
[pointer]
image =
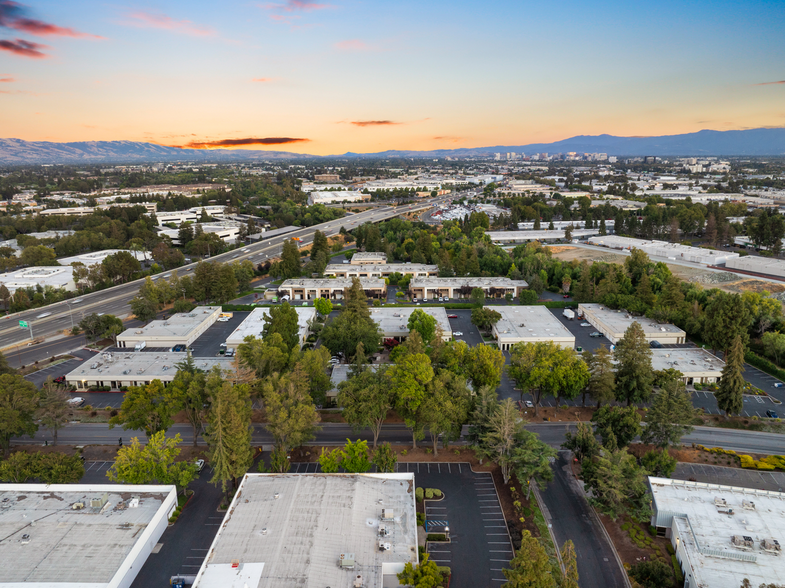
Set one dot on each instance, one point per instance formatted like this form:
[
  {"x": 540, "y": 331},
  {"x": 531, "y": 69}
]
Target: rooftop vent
[
  {"x": 720, "y": 501},
  {"x": 77, "y": 506},
  {"x": 384, "y": 546},
  {"x": 742, "y": 542},
  {"x": 748, "y": 505},
  {"x": 276, "y": 496},
  {"x": 346, "y": 561},
  {"x": 770, "y": 545},
  {"x": 358, "y": 582},
  {"x": 387, "y": 513},
  {"x": 25, "y": 539}
]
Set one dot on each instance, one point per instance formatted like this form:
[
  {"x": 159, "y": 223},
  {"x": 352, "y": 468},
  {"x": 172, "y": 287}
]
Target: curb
[{"x": 547, "y": 515}]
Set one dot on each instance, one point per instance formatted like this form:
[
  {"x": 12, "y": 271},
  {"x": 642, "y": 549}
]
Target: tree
[
  {"x": 634, "y": 373},
  {"x": 323, "y": 306},
  {"x": 545, "y": 368},
  {"x": 354, "y": 457},
  {"x": 652, "y": 574},
  {"x": 189, "y": 388},
  {"x": 150, "y": 408},
  {"x": 384, "y": 458},
  {"x": 4, "y": 367},
  {"x": 637, "y": 264},
  {"x": 38, "y": 255},
  {"x": 353, "y": 326},
  {"x": 725, "y": 318},
  {"x": 477, "y": 296},
  {"x": 583, "y": 443},
  {"x": 5, "y": 295},
  {"x": 426, "y": 574},
  {"x": 291, "y": 414},
  {"x": 18, "y": 402},
  {"x": 484, "y": 366},
  {"x": 729, "y": 395},
  {"x": 314, "y": 363},
  {"x": 602, "y": 379},
  {"x": 153, "y": 463},
  {"x": 568, "y": 233},
  {"x": 531, "y": 567},
  {"x": 498, "y": 442},
  {"x": 409, "y": 378},
  {"x": 330, "y": 461},
  {"x": 659, "y": 463},
  {"x": 144, "y": 309},
  {"x": 243, "y": 273},
  {"x": 290, "y": 265},
  {"x": 622, "y": 424},
  {"x": 46, "y": 468},
  {"x": 670, "y": 415},
  {"x": 53, "y": 409},
  {"x": 617, "y": 484},
  {"x": 366, "y": 399},
  {"x": 531, "y": 459},
  {"x": 283, "y": 320},
  {"x": 424, "y": 324},
  {"x": 568, "y": 556},
  {"x": 484, "y": 318},
  {"x": 774, "y": 345},
  {"x": 444, "y": 408},
  {"x": 266, "y": 356},
  {"x": 228, "y": 432}
]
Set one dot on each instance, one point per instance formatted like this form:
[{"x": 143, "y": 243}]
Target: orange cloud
[
  {"x": 450, "y": 139},
  {"x": 262, "y": 80},
  {"x": 161, "y": 21},
  {"x": 15, "y": 16},
  {"x": 770, "y": 83},
  {"x": 375, "y": 123},
  {"x": 240, "y": 142},
  {"x": 7, "y": 80},
  {"x": 23, "y": 48},
  {"x": 352, "y": 45}
]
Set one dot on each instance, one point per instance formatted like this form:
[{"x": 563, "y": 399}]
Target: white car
[
  {"x": 585, "y": 324},
  {"x": 199, "y": 463},
  {"x": 75, "y": 401},
  {"x": 223, "y": 319},
  {"x": 528, "y": 403},
  {"x": 457, "y": 334}
]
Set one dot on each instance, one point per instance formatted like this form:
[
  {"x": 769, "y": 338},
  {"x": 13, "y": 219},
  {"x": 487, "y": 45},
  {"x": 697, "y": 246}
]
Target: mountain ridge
[{"x": 748, "y": 142}]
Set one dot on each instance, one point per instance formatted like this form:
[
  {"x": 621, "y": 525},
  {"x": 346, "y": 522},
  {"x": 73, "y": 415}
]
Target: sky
[{"x": 332, "y": 76}]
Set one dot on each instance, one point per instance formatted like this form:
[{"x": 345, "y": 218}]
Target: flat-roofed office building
[
  {"x": 368, "y": 257},
  {"x": 30, "y": 277},
  {"x": 347, "y": 270},
  {"x": 393, "y": 322},
  {"x": 340, "y": 530},
  {"x": 334, "y": 289},
  {"x": 614, "y": 323},
  {"x": 182, "y": 328},
  {"x": 253, "y": 325},
  {"x": 529, "y": 324},
  {"x": 79, "y": 535},
  {"x": 697, "y": 365},
  {"x": 431, "y": 288}
]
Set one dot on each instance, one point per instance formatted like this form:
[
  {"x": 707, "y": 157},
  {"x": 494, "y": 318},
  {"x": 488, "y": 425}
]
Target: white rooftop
[
  {"x": 380, "y": 268},
  {"x": 46, "y": 543},
  {"x": 663, "y": 249},
  {"x": 253, "y": 325},
  {"x": 472, "y": 282},
  {"x": 542, "y": 235},
  {"x": 394, "y": 322},
  {"x": 142, "y": 366},
  {"x": 287, "y": 530},
  {"x": 368, "y": 257},
  {"x": 89, "y": 259},
  {"x": 30, "y": 277},
  {"x": 179, "y": 325},
  {"x": 617, "y": 321},
  {"x": 530, "y": 323},
  {"x": 686, "y": 360},
  {"x": 694, "y": 509}
]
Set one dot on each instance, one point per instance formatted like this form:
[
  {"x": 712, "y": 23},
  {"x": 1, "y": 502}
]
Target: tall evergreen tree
[
  {"x": 290, "y": 265},
  {"x": 670, "y": 415},
  {"x": 602, "y": 381},
  {"x": 729, "y": 396},
  {"x": 282, "y": 320},
  {"x": 530, "y": 568},
  {"x": 634, "y": 374}
]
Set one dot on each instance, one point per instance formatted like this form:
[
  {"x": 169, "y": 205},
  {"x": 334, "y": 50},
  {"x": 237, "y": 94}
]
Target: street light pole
[{"x": 70, "y": 314}]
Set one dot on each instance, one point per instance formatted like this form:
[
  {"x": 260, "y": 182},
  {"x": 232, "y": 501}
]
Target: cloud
[
  {"x": 375, "y": 123},
  {"x": 770, "y": 83},
  {"x": 23, "y": 48},
  {"x": 8, "y": 80},
  {"x": 352, "y": 45},
  {"x": 148, "y": 20},
  {"x": 262, "y": 80},
  {"x": 240, "y": 142},
  {"x": 449, "y": 139},
  {"x": 298, "y": 6},
  {"x": 16, "y": 16}
]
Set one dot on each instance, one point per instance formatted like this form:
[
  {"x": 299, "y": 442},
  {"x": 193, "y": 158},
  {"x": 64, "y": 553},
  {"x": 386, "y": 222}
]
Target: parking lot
[
  {"x": 762, "y": 480},
  {"x": 210, "y": 341}
]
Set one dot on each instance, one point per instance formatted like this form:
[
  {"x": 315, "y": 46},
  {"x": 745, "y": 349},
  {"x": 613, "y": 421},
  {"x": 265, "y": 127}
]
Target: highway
[
  {"x": 337, "y": 433},
  {"x": 115, "y": 300}
]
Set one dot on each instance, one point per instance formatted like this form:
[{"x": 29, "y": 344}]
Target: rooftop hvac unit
[
  {"x": 99, "y": 502},
  {"x": 384, "y": 546},
  {"x": 77, "y": 506},
  {"x": 347, "y": 561},
  {"x": 387, "y": 513},
  {"x": 742, "y": 541},
  {"x": 748, "y": 505},
  {"x": 770, "y": 545}
]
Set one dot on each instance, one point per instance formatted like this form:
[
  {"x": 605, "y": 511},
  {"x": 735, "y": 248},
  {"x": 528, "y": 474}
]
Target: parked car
[
  {"x": 585, "y": 324},
  {"x": 595, "y": 334},
  {"x": 528, "y": 403},
  {"x": 566, "y": 296},
  {"x": 59, "y": 379},
  {"x": 771, "y": 414},
  {"x": 199, "y": 463},
  {"x": 457, "y": 333},
  {"x": 223, "y": 319},
  {"x": 452, "y": 316},
  {"x": 655, "y": 344},
  {"x": 75, "y": 401}
]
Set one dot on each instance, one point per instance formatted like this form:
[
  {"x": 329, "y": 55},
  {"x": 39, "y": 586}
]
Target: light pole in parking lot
[{"x": 70, "y": 314}]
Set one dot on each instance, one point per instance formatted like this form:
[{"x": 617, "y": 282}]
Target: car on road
[
  {"x": 585, "y": 324},
  {"x": 452, "y": 316},
  {"x": 566, "y": 296},
  {"x": 457, "y": 333},
  {"x": 771, "y": 414},
  {"x": 75, "y": 401},
  {"x": 199, "y": 463},
  {"x": 595, "y": 334},
  {"x": 44, "y": 315},
  {"x": 59, "y": 379}
]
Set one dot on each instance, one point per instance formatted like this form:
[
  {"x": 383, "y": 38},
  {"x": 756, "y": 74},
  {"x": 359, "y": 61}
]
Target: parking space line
[
  {"x": 494, "y": 526},
  {"x": 500, "y": 560}
]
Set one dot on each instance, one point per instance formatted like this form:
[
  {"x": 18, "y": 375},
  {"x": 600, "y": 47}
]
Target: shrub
[
  {"x": 429, "y": 493},
  {"x": 747, "y": 461},
  {"x": 420, "y": 519},
  {"x": 677, "y": 570},
  {"x": 652, "y": 574},
  {"x": 418, "y": 494},
  {"x": 108, "y": 408},
  {"x": 113, "y": 412},
  {"x": 436, "y": 537},
  {"x": 669, "y": 549},
  {"x": 437, "y": 493}
]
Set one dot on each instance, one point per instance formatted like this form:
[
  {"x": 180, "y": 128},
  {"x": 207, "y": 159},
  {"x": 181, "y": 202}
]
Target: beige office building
[
  {"x": 179, "y": 329},
  {"x": 253, "y": 325},
  {"x": 697, "y": 365},
  {"x": 433, "y": 288},
  {"x": 367, "y": 270},
  {"x": 614, "y": 323},
  {"x": 529, "y": 324},
  {"x": 370, "y": 257},
  {"x": 311, "y": 289},
  {"x": 394, "y": 322}
]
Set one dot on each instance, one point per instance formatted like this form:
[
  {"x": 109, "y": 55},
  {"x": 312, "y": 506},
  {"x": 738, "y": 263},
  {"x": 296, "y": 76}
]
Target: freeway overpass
[{"x": 115, "y": 300}]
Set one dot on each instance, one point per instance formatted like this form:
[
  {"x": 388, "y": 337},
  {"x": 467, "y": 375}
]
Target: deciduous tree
[
  {"x": 409, "y": 378},
  {"x": 483, "y": 366},
  {"x": 53, "y": 409},
  {"x": 670, "y": 415},
  {"x": 622, "y": 424},
  {"x": 150, "y": 408},
  {"x": 291, "y": 415},
  {"x": 154, "y": 463},
  {"x": 283, "y": 320},
  {"x": 602, "y": 380},
  {"x": 424, "y": 324},
  {"x": 367, "y": 398}
]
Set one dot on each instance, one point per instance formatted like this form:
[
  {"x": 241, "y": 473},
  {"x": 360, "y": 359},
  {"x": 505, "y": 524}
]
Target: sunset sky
[{"x": 326, "y": 77}]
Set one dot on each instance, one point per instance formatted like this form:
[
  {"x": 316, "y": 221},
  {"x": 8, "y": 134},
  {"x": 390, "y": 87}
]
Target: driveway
[{"x": 571, "y": 517}]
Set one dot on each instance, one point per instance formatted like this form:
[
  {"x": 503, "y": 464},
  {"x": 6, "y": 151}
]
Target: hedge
[
  {"x": 677, "y": 571},
  {"x": 418, "y": 494},
  {"x": 768, "y": 463},
  {"x": 436, "y": 537}
]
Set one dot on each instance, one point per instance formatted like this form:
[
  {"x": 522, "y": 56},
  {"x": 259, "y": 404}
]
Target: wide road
[
  {"x": 337, "y": 433},
  {"x": 115, "y": 300}
]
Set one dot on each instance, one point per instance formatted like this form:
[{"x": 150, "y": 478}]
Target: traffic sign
[{"x": 23, "y": 324}]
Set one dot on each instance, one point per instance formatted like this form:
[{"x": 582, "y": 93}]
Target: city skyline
[{"x": 308, "y": 76}]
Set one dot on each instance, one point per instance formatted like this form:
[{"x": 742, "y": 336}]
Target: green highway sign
[{"x": 23, "y": 324}]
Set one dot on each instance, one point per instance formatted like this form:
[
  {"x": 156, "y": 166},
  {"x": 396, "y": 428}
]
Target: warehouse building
[
  {"x": 546, "y": 235},
  {"x": 30, "y": 277},
  {"x": 529, "y": 324},
  {"x": 371, "y": 257},
  {"x": 665, "y": 250},
  {"x": 367, "y": 270},
  {"x": 118, "y": 369},
  {"x": 179, "y": 329},
  {"x": 435, "y": 288},
  {"x": 80, "y": 535},
  {"x": 697, "y": 365},
  {"x": 758, "y": 265},
  {"x": 90, "y": 259},
  {"x": 313, "y": 288},
  {"x": 284, "y": 530},
  {"x": 393, "y": 322},
  {"x": 614, "y": 323},
  {"x": 336, "y": 197},
  {"x": 721, "y": 534},
  {"x": 253, "y": 325}
]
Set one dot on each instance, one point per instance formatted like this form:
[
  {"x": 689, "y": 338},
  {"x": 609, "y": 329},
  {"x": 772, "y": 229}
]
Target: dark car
[
  {"x": 595, "y": 334},
  {"x": 655, "y": 344},
  {"x": 59, "y": 379},
  {"x": 566, "y": 296},
  {"x": 771, "y": 414}
]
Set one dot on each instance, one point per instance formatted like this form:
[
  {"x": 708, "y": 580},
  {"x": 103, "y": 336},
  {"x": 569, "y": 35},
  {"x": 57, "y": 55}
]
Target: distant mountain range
[{"x": 752, "y": 142}]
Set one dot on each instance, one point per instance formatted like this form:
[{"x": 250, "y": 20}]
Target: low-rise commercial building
[
  {"x": 80, "y": 535},
  {"x": 337, "y": 196},
  {"x": 334, "y": 289},
  {"x": 434, "y": 288},
  {"x": 614, "y": 323},
  {"x": 367, "y": 270},
  {"x": 758, "y": 265},
  {"x": 371, "y": 257},
  {"x": 529, "y": 225},
  {"x": 179, "y": 329},
  {"x": 284, "y": 530},
  {"x": 394, "y": 322},
  {"x": 226, "y": 230},
  {"x": 90, "y": 259},
  {"x": 30, "y": 277},
  {"x": 697, "y": 365},
  {"x": 665, "y": 250},
  {"x": 191, "y": 215},
  {"x": 528, "y": 236},
  {"x": 151, "y": 207},
  {"x": 529, "y": 324},
  {"x": 126, "y": 368},
  {"x": 253, "y": 325},
  {"x": 721, "y": 534}
]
